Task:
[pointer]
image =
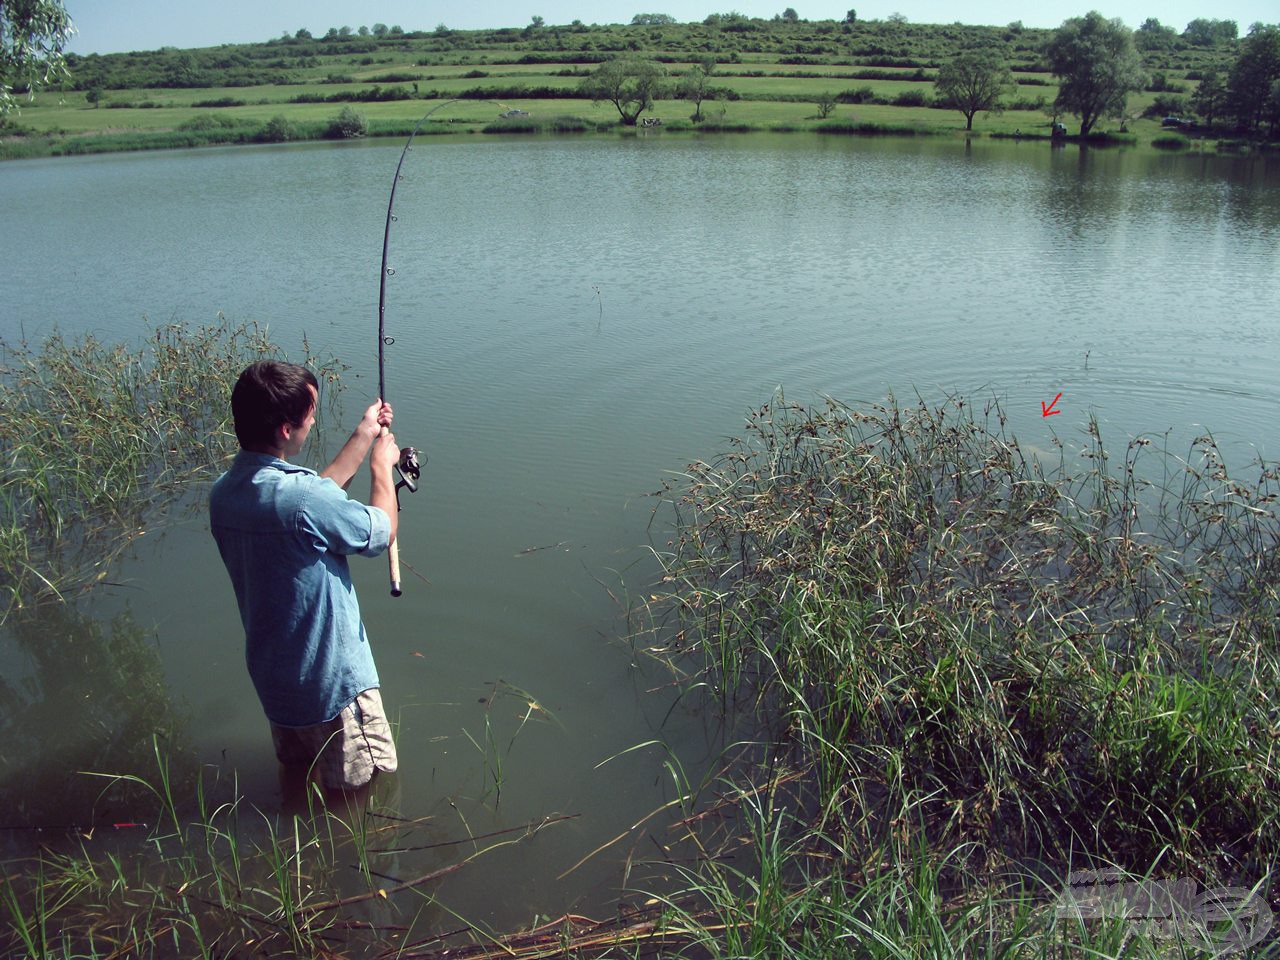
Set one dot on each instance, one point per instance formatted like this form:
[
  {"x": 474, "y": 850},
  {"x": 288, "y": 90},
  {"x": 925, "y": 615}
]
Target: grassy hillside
[{"x": 768, "y": 75}]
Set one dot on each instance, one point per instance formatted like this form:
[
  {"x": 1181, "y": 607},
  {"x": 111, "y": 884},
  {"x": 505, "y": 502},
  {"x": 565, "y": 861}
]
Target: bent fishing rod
[{"x": 408, "y": 467}]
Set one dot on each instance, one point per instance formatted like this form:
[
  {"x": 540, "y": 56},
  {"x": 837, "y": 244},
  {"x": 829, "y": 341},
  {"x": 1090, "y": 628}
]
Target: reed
[
  {"x": 227, "y": 879},
  {"x": 101, "y": 441},
  {"x": 981, "y": 667}
]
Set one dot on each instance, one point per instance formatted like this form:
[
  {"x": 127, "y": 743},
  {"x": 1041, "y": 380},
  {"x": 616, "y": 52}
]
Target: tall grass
[
  {"x": 221, "y": 878},
  {"x": 984, "y": 669},
  {"x": 99, "y": 441}
]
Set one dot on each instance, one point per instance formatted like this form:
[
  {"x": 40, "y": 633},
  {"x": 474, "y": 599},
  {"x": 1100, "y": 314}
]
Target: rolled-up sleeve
[{"x": 342, "y": 525}]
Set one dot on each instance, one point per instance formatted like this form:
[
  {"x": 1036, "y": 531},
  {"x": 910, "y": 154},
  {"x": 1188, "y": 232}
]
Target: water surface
[{"x": 574, "y": 321}]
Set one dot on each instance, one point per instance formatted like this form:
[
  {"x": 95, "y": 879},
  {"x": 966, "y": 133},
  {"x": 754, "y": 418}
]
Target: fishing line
[{"x": 409, "y": 468}]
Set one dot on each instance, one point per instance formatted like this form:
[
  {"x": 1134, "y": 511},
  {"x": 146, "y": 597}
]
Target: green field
[{"x": 768, "y": 76}]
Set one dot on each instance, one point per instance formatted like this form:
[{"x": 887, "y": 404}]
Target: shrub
[
  {"x": 347, "y": 125},
  {"x": 1170, "y": 143},
  {"x": 279, "y": 129},
  {"x": 208, "y": 123},
  {"x": 1027, "y": 103},
  {"x": 911, "y": 98},
  {"x": 862, "y": 94},
  {"x": 1166, "y": 104}
]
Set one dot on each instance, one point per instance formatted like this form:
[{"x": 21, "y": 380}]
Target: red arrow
[{"x": 1049, "y": 411}]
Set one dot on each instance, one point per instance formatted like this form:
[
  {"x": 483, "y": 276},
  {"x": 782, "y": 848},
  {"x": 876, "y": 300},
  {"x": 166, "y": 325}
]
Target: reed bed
[
  {"x": 224, "y": 879},
  {"x": 99, "y": 442},
  {"x": 981, "y": 671}
]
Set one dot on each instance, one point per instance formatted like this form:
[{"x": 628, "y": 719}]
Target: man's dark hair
[{"x": 268, "y": 394}]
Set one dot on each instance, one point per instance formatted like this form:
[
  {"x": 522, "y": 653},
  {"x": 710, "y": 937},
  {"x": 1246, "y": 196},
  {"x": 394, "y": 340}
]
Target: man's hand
[
  {"x": 378, "y": 415},
  {"x": 347, "y": 462}
]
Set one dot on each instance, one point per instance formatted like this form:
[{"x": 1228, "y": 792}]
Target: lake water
[{"x": 574, "y": 321}]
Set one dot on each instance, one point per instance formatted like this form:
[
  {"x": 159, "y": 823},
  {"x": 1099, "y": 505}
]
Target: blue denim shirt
[{"x": 284, "y": 534}]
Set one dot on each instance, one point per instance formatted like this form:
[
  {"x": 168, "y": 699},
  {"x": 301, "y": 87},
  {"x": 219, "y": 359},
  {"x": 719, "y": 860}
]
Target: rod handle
[
  {"x": 393, "y": 560},
  {"x": 393, "y": 551}
]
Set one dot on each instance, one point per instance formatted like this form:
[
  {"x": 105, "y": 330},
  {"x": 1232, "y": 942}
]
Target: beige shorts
[{"x": 343, "y": 753}]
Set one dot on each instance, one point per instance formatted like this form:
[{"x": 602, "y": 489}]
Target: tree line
[{"x": 1096, "y": 60}]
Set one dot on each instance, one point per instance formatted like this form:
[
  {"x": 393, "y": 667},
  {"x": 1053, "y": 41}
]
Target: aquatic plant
[
  {"x": 100, "y": 441},
  {"x": 964, "y": 660},
  {"x": 226, "y": 879}
]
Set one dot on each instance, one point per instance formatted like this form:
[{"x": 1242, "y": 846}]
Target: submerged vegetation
[
  {"x": 974, "y": 672},
  {"x": 228, "y": 880}
]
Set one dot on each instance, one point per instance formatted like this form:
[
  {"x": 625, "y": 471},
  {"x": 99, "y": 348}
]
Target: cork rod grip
[{"x": 393, "y": 560}]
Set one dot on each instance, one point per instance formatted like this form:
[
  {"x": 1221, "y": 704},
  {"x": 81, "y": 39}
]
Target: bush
[
  {"x": 279, "y": 129},
  {"x": 208, "y": 123},
  {"x": 862, "y": 94},
  {"x": 911, "y": 98},
  {"x": 1026, "y": 103},
  {"x": 1166, "y": 105},
  {"x": 220, "y": 102},
  {"x": 1170, "y": 143},
  {"x": 347, "y": 125}
]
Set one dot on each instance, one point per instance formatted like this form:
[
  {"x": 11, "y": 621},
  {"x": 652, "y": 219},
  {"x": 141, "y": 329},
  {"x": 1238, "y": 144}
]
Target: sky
[{"x": 113, "y": 26}]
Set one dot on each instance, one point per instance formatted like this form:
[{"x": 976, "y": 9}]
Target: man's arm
[
  {"x": 353, "y": 452},
  {"x": 382, "y": 487}
]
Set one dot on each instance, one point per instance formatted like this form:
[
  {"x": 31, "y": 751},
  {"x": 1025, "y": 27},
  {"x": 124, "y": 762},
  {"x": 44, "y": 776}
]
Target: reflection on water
[
  {"x": 80, "y": 696},
  {"x": 577, "y": 320}
]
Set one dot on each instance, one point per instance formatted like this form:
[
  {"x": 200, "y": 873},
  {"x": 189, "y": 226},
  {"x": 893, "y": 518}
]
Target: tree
[
  {"x": 652, "y": 20},
  {"x": 93, "y": 95},
  {"x": 695, "y": 86},
  {"x": 1251, "y": 76},
  {"x": 790, "y": 15},
  {"x": 1152, "y": 35},
  {"x": 1097, "y": 65},
  {"x": 630, "y": 85},
  {"x": 973, "y": 81},
  {"x": 380, "y": 30},
  {"x": 826, "y": 103},
  {"x": 32, "y": 35},
  {"x": 851, "y": 16},
  {"x": 1210, "y": 97},
  {"x": 1207, "y": 33}
]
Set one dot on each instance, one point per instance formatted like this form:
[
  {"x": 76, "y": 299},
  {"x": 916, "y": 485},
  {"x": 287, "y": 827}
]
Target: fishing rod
[{"x": 408, "y": 467}]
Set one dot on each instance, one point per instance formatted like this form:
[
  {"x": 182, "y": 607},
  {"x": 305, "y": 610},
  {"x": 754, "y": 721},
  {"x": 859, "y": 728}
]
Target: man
[{"x": 285, "y": 533}]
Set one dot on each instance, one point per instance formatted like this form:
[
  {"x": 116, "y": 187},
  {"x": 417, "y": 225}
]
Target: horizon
[{"x": 126, "y": 26}]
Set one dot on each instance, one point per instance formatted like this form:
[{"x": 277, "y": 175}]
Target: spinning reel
[{"x": 409, "y": 470}]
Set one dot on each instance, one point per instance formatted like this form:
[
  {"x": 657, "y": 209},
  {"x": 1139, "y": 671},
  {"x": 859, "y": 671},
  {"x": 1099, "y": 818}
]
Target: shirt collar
[{"x": 252, "y": 460}]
